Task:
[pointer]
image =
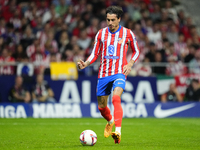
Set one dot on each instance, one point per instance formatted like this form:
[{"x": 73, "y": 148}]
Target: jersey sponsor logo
[
  {"x": 160, "y": 113},
  {"x": 111, "y": 49},
  {"x": 111, "y": 57}
]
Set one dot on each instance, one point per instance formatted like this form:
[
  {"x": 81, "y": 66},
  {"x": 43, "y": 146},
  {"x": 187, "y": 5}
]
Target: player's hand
[
  {"x": 126, "y": 69},
  {"x": 81, "y": 64}
]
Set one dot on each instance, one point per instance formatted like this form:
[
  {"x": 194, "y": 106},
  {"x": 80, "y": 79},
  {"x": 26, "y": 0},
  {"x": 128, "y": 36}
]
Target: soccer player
[{"x": 111, "y": 43}]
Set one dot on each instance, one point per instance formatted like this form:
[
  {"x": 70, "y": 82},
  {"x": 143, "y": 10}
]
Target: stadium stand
[
  {"x": 37, "y": 26},
  {"x": 37, "y": 32}
]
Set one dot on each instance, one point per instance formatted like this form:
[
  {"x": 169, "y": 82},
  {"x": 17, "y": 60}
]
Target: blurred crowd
[{"x": 44, "y": 31}]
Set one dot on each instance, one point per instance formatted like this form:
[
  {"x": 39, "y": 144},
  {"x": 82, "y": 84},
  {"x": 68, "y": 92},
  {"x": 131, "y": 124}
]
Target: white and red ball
[{"x": 88, "y": 137}]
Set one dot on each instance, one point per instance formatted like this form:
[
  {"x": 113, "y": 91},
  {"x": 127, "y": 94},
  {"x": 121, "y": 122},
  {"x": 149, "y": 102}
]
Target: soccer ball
[{"x": 88, "y": 137}]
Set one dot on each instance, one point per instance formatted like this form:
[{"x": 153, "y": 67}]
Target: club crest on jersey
[{"x": 120, "y": 40}]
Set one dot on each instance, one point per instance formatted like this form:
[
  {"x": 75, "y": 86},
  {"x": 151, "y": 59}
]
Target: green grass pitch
[{"x": 63, "y": 134}]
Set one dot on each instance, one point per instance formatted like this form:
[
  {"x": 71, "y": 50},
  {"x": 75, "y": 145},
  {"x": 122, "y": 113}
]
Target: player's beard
[{"x": 113, "y": 28}]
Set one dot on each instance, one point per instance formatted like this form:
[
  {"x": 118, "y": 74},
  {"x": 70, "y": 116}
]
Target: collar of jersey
[{"x": 115, "y": 31}]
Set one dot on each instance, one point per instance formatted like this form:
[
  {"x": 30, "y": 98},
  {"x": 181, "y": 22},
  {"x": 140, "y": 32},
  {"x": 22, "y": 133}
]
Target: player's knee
[{"x": 116, "y": 99}]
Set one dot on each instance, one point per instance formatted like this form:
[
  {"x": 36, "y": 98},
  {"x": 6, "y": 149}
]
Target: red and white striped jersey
[{"x": 112, "y": 48}]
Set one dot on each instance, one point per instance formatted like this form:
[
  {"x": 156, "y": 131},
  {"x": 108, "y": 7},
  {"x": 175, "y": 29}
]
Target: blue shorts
[{"x": 105, "y": 84}]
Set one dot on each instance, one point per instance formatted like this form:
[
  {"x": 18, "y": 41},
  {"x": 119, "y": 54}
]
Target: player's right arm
[
  {"x": 95, "y": 52},
  {"x": 81, "y": 64}
]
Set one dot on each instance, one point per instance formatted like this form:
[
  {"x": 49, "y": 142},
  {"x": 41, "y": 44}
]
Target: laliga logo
[{"x": 111, "y": 49}]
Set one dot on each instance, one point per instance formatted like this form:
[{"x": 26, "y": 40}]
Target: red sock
[
  {"x": 118, "y": 111},
  {"x": 105, "y": 112}
]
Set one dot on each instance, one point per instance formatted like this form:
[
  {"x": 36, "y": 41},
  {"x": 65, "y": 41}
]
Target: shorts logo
[
  {"x": 111, "y": 49},
  {"x": 120, "y": 83}
]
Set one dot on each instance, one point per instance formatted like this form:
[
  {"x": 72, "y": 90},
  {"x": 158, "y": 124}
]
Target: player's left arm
[
  {"x": 135, "y": 55},
  {"x": 127, "y": 68}
]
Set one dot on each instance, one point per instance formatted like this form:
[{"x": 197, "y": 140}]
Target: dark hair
[{"x": 114, "y": 10}]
